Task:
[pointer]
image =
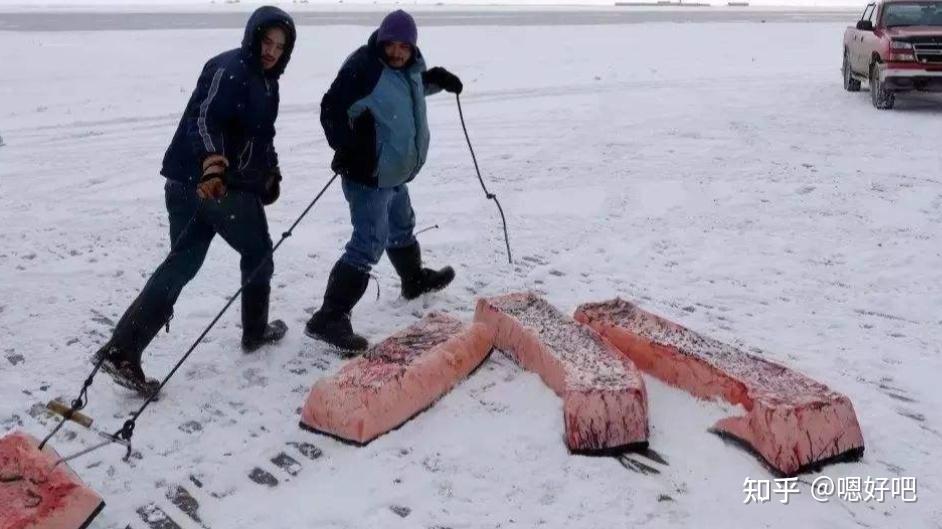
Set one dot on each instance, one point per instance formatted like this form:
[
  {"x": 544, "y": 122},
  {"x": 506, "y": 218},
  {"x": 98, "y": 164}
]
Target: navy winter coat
[{"x": 233, "y": 109}]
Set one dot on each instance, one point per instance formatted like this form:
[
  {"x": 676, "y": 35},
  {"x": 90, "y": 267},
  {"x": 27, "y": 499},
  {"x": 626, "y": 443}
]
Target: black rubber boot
[
  {"x": 256, "y": 331},
  {"x": 415, "y": 279},
  {"x": 125, "y": 370},
  {"x": 331, "y": 323}
]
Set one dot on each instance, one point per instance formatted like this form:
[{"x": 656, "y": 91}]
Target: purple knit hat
[{"x": 398, "y": 26}]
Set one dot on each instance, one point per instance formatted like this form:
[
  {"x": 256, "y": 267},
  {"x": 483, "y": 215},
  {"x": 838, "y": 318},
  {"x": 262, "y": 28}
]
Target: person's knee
[
  {"x": 192, "y": 266},
  {"x": 362, "y": 258},
  {"x": 258, "y": 272},
  {"x": 365, "y": 249},
  {"x": 402, "y": 240},
  {"x": 265, "y": 273},
  {"x": 257, "y": 267},
  {"x": 180, "y": 267}
]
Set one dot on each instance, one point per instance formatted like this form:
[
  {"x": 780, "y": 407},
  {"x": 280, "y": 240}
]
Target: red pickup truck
[{"x": 897, "y": 47}]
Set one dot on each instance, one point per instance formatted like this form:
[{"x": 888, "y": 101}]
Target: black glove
[
  {"x": 443, "y": 78},
  {"x": 358, "y": 159},
  {"x": 272, "y": 187}
]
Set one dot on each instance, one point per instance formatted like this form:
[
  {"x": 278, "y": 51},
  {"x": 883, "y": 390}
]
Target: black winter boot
[
  {"x": 256, "y": 331},
  {"x": 125, "y": 370},
  {"x": 331, "y": 323},
  {"x": 415, "y": 279},
  {"x": 140, "y": 324}
]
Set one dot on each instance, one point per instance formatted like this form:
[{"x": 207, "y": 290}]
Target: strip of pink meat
[
  {"x": 604, "y": 400},
  {"x": 795, "y": 423},
  {"x": 35, "y": 495},
  {"x": 396, "y": 379}
]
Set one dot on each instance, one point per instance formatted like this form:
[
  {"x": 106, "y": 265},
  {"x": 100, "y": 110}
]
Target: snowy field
[
  {"x": 95, "y": 18},
  {"x": 716, "y": 173}
]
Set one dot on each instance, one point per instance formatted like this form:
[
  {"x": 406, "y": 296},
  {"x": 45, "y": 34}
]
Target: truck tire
[
  {"x": 850, "y": 83},
  {"x": 881, "y": 98}
]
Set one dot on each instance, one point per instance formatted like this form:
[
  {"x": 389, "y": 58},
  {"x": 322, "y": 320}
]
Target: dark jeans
[
  {"x": 238, "y": 217},
  {"x": 381, "y": 217}
]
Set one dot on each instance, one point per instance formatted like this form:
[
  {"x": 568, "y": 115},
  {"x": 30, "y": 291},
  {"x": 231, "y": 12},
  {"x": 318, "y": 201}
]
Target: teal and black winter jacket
[{"x": 375, "y": 120}]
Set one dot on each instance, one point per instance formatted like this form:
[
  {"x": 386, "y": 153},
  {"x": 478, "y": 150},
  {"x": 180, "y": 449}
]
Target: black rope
[
  {"x": 488, "y": 194},
  {"x": 423, "y": 230},
  {"x": 127, "y": 430},
  {"x": 78, "y": 404},
  {"x": 82, "y": 400},
  {"x": 375, "y": 280}
]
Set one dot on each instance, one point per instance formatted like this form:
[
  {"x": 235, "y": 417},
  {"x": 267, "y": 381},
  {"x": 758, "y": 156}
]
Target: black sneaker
[
  {"x": 335, "y": 329},
  {"x": 274, "y": 332},
  {"x": 125, "y": 373}
]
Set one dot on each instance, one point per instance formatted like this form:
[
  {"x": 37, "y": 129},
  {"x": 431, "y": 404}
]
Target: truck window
[
  {"x": 912, "y": 14},
  {"x": 868, "y": 12}
]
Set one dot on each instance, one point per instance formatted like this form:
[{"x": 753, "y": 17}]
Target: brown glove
[
  {"x": 213, "y": 184},
  {"x": 213, "y": 188}
]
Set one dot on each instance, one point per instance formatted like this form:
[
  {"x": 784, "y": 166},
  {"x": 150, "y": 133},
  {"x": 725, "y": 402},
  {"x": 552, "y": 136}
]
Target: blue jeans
[{"x": 382, "y": 218}]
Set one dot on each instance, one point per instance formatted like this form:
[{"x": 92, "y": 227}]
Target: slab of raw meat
[
  {"x": 396, "y": 379},
  {"x": 34, "y": 495},
  {"x": 604, "y": 400},
  {"x": 795, "y": 423}
]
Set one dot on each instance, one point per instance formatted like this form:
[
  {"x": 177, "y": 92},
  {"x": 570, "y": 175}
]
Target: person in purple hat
[{"x": 375, "y": 121}]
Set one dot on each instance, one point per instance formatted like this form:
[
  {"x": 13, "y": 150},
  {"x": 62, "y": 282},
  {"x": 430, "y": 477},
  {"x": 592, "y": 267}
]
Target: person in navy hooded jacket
[
  {"x": 221, "y": 169},
  {"x": 375, "y": 121}
]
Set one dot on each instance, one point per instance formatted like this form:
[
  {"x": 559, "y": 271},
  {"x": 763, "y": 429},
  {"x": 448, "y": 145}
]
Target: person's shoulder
[
  {"x": 230, "y": 60},
  {"x": 359, "y": 60},
  {"x": 419, "y": 63}
]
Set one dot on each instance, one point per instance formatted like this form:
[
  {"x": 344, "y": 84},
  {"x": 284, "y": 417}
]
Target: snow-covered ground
[
  {"x": 100, "y": 18},
  {"x": 716, "y": 173}
]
